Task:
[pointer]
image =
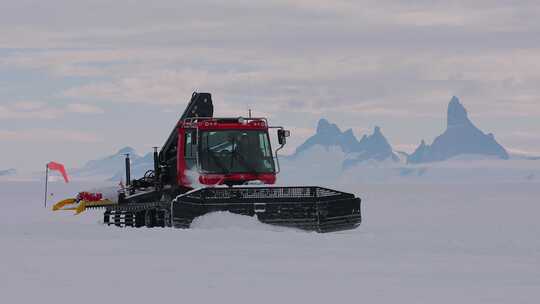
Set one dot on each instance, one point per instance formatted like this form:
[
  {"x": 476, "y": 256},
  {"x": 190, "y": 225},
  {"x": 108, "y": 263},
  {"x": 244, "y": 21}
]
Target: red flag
[{"x": 60, "y": 168}]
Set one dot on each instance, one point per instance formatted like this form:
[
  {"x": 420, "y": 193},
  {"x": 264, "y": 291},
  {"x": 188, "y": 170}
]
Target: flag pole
[{"x": 46, "y": 182}]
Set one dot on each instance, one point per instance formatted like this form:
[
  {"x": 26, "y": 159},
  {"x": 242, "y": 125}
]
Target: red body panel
[
  {"x": 180, "y": 160},
  {"x": 214, "y": 179},
  {"x": 212, "y": 125}
]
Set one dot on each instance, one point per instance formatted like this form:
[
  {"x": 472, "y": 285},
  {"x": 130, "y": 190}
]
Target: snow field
[{"x": 419, "y": 243}]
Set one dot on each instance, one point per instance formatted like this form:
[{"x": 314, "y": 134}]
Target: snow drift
[{"x": 231, "y": 221}]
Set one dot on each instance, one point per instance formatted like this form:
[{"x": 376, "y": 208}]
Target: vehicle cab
[{"x": 231, "y": 151}]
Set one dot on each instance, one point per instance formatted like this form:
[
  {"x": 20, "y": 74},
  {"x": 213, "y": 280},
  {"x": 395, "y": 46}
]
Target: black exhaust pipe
[
  {"x": 157, "y": 168},
  {"x": 128, "y": 170}
]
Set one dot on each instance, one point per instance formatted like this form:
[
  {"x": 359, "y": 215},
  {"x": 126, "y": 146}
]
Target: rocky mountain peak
[
  {"x": 461, "y": 137},
  {"x": 325, "y": 127},
  {"x": 374, "y": 146},
  {"x": 457, "y": 114}
]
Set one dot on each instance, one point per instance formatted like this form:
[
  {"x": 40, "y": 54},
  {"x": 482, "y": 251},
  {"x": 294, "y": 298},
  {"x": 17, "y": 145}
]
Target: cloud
[
  {"x": 49, "y": 136},
  {"x": 28, "y": 105},
  {"x": 83, "y": 108},
  {"x": 40, "y": 110},
  {"x": 28, "y": 110},
  {"x": 381, "y": 58},
  {"x": 386, "y": 62},
  {"x": 524, "y": 152},
  {"x": 526, "y": 135},
  {"x": 407, "y": 148}
]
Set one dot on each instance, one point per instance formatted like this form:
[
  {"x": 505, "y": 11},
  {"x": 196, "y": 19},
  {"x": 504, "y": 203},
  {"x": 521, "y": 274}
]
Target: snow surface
[
  {"x": 230, "y": 221},
  {"x": 419, "y": 243}
]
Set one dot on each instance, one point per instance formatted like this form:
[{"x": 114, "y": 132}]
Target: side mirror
[{"x": 282, "y": 136}]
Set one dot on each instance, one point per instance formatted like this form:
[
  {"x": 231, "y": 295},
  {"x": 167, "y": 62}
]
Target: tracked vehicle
[{"x": 211, "y": 164}]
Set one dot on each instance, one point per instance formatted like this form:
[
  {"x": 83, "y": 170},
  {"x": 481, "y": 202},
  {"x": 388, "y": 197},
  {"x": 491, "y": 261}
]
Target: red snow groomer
[{"x": 211, "y": 164}]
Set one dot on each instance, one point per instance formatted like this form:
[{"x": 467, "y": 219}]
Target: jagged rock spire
[
  {"x": 323, "y": 126},
  {"x": 461, "y": 137},
  {"x": 457, "y": 114}
]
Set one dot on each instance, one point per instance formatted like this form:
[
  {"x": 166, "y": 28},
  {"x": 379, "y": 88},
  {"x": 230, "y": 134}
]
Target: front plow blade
[
  {"x": 61, "y": 205},
  {"x": 81, "y": 206},
  {"x": 309, "y": 208}
]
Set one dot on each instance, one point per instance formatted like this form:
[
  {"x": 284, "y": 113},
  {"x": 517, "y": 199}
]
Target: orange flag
[{"x": 54, "y": 166}]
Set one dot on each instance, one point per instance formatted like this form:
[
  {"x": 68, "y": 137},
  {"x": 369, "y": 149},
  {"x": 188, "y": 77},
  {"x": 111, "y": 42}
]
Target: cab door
[{"x": 187, "y": 160}]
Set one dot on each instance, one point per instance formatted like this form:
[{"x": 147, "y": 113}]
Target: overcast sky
[{"x": 81, "y": 79}]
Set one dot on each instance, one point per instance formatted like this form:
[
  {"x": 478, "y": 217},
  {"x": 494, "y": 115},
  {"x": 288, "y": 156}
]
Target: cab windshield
[{"x": 235, "y": 151}]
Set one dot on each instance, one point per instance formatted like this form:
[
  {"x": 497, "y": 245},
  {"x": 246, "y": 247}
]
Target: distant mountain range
[
  {"x": 370, "y": 147},
  {"x": 461, "y": 140},
  {"x": 8, "y": 172},
  {"x": 113, "y": 166}
]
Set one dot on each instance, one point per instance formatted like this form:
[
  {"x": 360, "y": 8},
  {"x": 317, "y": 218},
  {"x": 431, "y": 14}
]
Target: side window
[
  {"x": 264, "y": 146},
  {"x": 190, "y": 152}
]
